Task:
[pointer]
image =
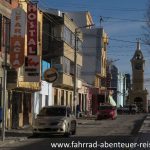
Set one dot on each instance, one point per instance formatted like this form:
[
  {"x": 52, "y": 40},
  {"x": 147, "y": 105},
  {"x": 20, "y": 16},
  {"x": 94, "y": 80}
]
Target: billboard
[{"x": 17, "y": 37}]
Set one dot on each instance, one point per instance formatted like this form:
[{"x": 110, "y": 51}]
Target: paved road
[
  {"x": 123, "y": 125},
  {"x": 122, "y": 130}
]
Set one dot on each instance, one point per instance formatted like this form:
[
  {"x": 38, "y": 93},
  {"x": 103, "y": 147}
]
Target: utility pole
[
  {"x": 75, "y": 73},
  {"x": 75, "y": 66},
  {"x": 4, "y": 93}
]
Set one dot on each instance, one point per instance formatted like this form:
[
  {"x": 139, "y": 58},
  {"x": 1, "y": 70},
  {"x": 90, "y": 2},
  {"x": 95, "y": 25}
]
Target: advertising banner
[
  {"x": 32, "y": 69},
  {"x": 18, "y": 22}
]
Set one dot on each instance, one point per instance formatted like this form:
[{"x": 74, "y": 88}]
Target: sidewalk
[
  {"x": 14, "y": 135},
  {"x": 145, "y": 128}
]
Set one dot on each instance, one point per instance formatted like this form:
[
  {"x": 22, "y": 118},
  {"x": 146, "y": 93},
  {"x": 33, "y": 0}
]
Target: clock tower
[{"x": 137, "y": 94}]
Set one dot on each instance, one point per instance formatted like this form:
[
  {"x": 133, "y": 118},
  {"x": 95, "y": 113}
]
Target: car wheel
[
  {"x": 74, "y": 129},
  {"x": 68, "y": 131}
]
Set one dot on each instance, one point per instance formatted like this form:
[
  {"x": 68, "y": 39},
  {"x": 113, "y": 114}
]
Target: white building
[
  {"x": 121, "y": 90},
  {"x": 43, "y": 97}
]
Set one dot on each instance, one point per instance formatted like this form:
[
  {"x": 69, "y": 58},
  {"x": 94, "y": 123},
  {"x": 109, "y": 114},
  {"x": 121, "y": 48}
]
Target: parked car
[
  {"x": 130, "y": 109},
  {"x": 55, "y": 120},
  {"x": 106, "y": 111},
  {"x": 124, "y": 109}
]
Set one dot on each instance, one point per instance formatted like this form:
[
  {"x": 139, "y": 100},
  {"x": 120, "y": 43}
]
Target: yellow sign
[{"x": 51, "y": 75}]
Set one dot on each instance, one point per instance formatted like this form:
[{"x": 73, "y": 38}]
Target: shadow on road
[{"x": 137, "y": 126}]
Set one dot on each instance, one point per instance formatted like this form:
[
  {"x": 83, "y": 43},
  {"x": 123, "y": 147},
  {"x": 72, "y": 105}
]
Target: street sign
[{"x": 51, "y": 75}]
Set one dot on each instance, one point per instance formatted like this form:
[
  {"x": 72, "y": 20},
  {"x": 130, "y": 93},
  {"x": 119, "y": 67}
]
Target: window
[
  {"x": 78, "y": 71},
  {"x": 69, "y": 37},
  {"x": 6, "y": 32},
  {"x": 53, "y": 111},
  {"x": 66, "y": 65},
  {"x": 79, "y": 45}
]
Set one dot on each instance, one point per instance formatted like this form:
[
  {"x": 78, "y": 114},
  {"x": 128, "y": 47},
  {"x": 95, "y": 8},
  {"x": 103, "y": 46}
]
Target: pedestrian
[{"x": 77, "y": 111}]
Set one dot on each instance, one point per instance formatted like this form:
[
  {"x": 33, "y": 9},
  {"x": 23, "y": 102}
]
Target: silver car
[{"x": 55, "y": 120}]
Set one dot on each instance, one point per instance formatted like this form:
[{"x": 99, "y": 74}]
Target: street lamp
[{"x": 75, "y": 66}]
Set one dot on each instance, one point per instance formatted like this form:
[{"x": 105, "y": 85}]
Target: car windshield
[
  {"x": 105, "y": 107},
  {"x": 53, "y": 112}
]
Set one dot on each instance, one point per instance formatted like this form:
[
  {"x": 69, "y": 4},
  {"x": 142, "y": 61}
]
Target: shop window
[{"x": 62, "y": 97}]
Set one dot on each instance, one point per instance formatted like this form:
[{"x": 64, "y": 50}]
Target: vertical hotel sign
[
  {"x": 32, "y": 61},
  {"x": 31, "y": 29},
  {"x": 18, "y": 22}
]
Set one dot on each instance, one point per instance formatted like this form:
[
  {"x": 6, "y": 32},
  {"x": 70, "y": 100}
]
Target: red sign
[
  {"x": 18, "y": 22},
  {"x": 31, "y": 29},
  {"x": 17, "y": 51}
]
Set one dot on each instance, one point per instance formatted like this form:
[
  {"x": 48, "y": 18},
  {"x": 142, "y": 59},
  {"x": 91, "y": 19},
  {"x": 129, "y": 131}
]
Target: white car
[{"x": 55, "y": 120}]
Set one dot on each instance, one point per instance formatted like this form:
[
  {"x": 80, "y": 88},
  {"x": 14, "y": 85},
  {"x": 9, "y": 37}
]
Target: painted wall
[{"x": 41, "y": 96}]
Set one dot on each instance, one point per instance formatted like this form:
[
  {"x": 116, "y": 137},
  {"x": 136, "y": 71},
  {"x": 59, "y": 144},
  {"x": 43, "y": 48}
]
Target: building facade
[
  {"x": 95, "y": 43},
  {"x": 59, "y": 49},
  {"x": 19, "y": 90}
]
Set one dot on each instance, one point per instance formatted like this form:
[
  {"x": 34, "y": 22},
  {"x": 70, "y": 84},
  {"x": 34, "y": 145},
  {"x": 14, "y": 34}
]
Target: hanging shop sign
[
  {"x": 18, "y": 22},
  {"x": 31, "y": 28},
  {"x": 51, "y": 75},
  {"x": 32, "y": 67}
]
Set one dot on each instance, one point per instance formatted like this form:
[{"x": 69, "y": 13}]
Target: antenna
[{"x": 101, "y": 20}]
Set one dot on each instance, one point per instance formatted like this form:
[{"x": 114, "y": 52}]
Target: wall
[{"x": 39, "y": 97}]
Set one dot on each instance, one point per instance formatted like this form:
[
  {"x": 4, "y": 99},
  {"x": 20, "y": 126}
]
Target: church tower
[{"x": 137, "y": 94}]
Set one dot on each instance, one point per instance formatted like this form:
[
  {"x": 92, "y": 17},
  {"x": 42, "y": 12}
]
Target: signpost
[{"x": 51, "y": 75}]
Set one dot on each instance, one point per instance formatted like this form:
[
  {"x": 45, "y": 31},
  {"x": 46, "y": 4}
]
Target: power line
[
  {"x": 67, "y": 4},
  {"x": 131, "y": 20}
]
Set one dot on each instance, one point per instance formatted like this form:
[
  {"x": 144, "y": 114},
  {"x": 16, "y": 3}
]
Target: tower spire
[{"x": 138, "y": 44}]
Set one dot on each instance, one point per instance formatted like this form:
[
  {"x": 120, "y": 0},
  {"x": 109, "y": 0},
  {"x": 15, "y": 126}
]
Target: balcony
[{"x": 64, "y": 81}]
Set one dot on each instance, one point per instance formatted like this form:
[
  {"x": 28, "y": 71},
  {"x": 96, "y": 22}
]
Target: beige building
[
  {"x": 19, "y": 89},
  {"x": 94, "y": 53},
  {"x": 137, "y": 94},
  {"x": 59, "y": 50}
]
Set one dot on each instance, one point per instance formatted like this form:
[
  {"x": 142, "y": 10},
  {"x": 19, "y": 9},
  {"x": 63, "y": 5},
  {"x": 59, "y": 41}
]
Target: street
[{"x": 123, "y": 129}]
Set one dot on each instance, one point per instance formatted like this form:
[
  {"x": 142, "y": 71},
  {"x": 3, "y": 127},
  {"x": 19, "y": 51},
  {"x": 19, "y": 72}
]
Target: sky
[{"x": 123, "y": 21}]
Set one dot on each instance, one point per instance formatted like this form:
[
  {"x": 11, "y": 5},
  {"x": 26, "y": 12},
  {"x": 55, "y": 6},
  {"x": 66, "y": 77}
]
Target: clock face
[{"x": 138, "y": 66}]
